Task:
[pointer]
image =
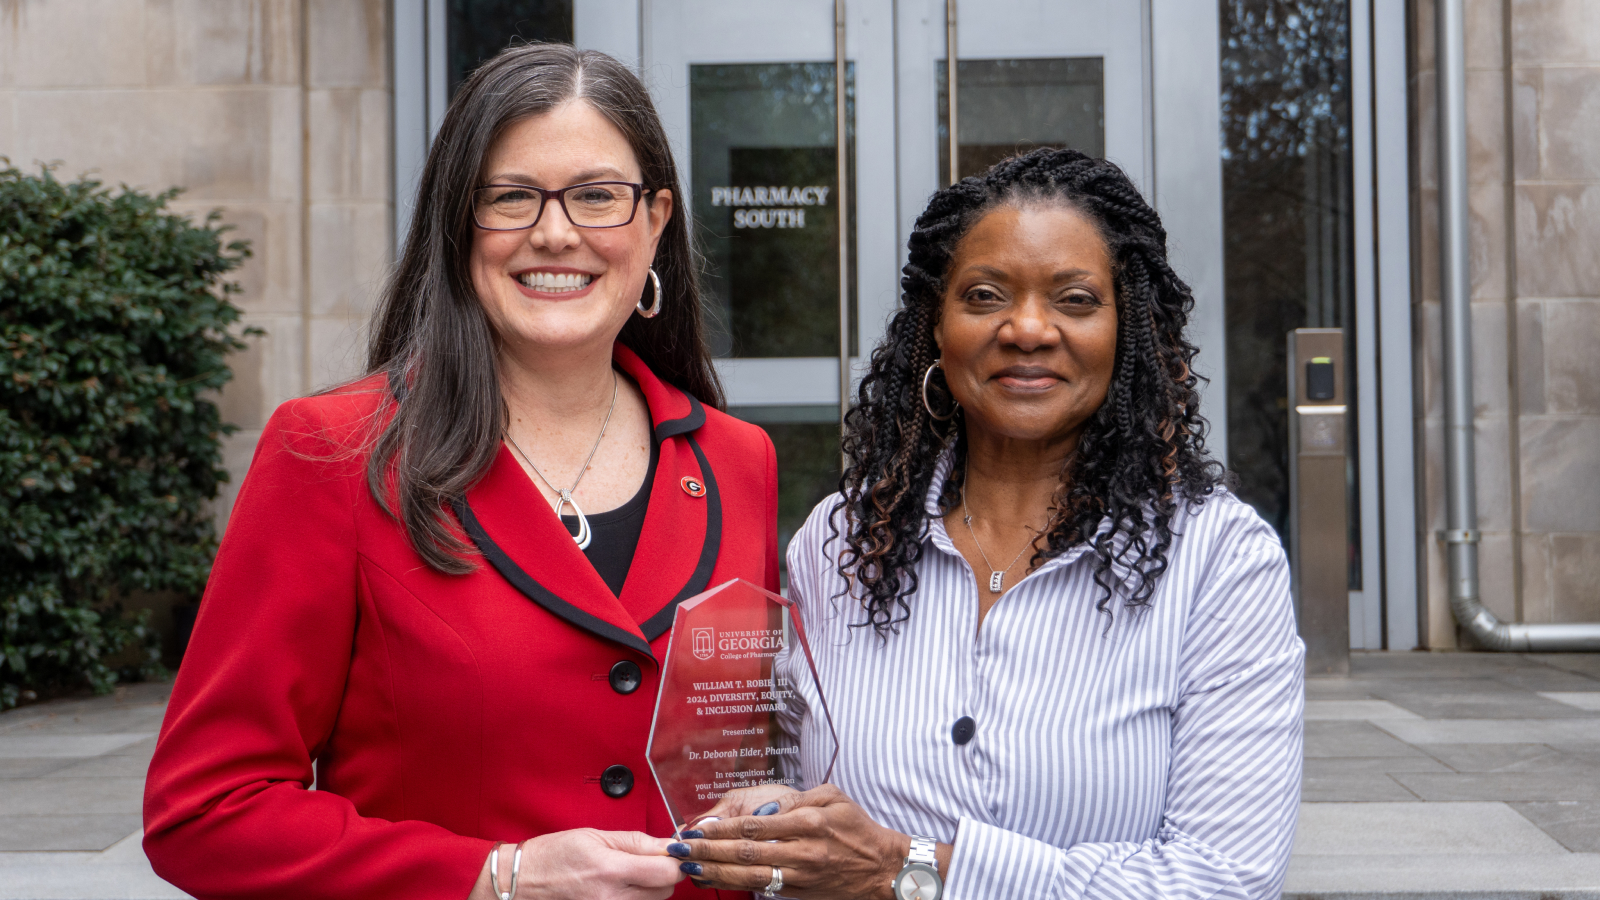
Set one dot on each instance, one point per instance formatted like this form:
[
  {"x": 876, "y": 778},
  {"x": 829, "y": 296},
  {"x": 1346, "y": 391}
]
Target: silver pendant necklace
[
  {"x": 584, "y": 535},
  {"x": 996, "y": 577}
]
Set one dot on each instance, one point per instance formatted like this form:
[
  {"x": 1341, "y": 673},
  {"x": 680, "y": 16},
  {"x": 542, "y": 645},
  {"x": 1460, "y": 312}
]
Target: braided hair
[{"x": 1141, "y": 454}]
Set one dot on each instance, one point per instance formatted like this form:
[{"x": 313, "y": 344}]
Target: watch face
[{"x": 918, "y": 882}]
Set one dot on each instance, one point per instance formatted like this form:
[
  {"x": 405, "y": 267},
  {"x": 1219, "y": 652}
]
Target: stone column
[
  {"x": 1533, "y": 257},
  {"x": 1555, "y": 104},
  {"x": 275, "y": 112}
]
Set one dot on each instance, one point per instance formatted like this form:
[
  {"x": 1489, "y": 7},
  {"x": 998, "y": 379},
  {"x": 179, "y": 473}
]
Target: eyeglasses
[{"x": 593, "y": 204}]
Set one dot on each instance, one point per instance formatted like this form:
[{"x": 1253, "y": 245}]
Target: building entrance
[{"x": 749, "y": 94}]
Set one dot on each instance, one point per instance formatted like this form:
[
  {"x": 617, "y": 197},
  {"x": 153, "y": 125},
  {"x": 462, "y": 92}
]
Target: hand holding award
[{"x": 720, "y": 714}]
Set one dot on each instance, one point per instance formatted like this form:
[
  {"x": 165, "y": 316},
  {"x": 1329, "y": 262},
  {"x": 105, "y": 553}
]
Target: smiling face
[
  {"x": 556, "y": 287},
  {"x": 1027, "y": 328}
]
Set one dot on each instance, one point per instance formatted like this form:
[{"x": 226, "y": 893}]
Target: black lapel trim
[
  {"x": 658, "y": 624},
  {"x": 537, "y": 592},
  {"x": 691, "y": 422}
]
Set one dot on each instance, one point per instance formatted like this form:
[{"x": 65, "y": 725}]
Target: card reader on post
[
  {"x": 1319, "y": 541},
  {"x": 1319, "y": 379}
]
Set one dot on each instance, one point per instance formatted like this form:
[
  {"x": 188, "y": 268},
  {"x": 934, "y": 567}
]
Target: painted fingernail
[
  {"x": 690, "y": 834},
  {"x": 691, "y": 869},
  {"x": 767, "y": 809},
  {"x": 679, "y": 849}
]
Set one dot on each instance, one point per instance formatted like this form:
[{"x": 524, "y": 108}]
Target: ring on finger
[{"x": 775, "y": 885}]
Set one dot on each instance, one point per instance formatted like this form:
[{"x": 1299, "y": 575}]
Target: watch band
[{"x": 919, "y": 878}]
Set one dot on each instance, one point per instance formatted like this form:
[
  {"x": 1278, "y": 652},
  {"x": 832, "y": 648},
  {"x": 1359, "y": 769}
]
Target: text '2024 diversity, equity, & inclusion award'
[{"x": 726, "y": 716}]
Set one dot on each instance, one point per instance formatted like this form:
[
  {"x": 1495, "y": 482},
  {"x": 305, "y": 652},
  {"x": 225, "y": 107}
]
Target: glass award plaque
[{"x": 725, "y": 715}]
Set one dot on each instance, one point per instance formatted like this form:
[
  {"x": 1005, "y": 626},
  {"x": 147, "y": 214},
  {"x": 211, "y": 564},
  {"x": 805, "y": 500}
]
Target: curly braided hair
[{"x": 1141, "y": 454}]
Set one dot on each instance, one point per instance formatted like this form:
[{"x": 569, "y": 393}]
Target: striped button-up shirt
[{"x": 1151, "y": 753}]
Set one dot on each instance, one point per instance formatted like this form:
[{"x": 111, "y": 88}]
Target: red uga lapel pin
[{"x": 693, "y": 486}]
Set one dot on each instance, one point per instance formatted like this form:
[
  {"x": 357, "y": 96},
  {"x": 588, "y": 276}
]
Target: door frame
[{"x": 745, "y": 33}]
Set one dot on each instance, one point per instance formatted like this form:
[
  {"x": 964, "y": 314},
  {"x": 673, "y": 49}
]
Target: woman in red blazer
[{"x": 420, "y": 638}]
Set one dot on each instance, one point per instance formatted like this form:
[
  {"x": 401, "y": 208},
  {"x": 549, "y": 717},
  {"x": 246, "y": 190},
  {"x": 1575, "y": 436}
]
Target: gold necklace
[{"x": 996, "y": 578}]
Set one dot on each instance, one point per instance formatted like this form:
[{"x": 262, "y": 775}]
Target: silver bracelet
[{"x": 494, "y": 871}]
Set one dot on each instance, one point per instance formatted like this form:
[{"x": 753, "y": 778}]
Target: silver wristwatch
[{"x": 919, "y": 877}]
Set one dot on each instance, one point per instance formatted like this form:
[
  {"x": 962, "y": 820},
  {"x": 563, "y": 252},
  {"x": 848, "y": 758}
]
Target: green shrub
[{"x": 114, "y": 327}]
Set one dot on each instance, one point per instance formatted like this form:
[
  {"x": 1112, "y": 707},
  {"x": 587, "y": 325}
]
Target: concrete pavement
[
  {"x": 1452, "y": 775},
  {"x": 1427, "y": 775},
  {"x": 71, "y": 787}
]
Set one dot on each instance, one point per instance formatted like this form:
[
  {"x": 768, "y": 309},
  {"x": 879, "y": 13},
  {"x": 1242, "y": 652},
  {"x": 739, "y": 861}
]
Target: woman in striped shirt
[{"x": 1060, "y": 655}]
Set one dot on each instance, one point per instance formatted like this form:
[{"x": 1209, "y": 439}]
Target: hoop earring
[
  {"x": 654, "y": 309},
  {"x": 929, "y": 406}
]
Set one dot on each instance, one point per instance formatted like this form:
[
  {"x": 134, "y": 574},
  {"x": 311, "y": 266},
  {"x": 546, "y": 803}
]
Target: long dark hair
[
  {"x": 430, "y": 335},
  {"x": 1141, "y": 454}
]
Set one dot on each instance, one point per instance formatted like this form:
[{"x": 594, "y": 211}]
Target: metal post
[
  {"x": 842, "y": 162},
  {"x": 950, "y": 87},
  {"x": 1318, "y": 505}
]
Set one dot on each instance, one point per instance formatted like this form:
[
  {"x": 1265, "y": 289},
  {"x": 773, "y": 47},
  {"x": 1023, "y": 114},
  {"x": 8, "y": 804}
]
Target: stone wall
[
  {"x": 275, "y": 112},
  {"x": 1533, "y": 121}
]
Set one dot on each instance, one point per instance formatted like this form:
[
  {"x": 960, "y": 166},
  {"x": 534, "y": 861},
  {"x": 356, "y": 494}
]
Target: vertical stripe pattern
[{"x": 1151, "y": 753}]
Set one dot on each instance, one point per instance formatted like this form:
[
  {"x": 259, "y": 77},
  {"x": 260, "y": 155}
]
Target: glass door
[
  {"x": 1028, "y": 74},
  {"x": 1289, "y": 230},
  {"x": 1304, "y": 146},
  {"x": 1135, "y": 81},
  {"x": 748, "y": 94}
]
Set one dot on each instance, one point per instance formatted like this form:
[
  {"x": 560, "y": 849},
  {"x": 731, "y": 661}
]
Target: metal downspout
[
  {"x": 951, "y": 81},
  {"x": 841, "y": 194},
  {"x": 1461, "y": 536}
]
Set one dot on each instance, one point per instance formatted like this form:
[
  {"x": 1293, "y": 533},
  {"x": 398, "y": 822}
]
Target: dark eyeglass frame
[{"x": 560, "y": 196}]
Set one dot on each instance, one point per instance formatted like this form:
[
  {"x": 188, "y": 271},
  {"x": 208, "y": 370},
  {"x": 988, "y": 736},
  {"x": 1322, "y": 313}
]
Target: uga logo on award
[
  {"x": 705, "y": 640},
  {"x": 726, "y": 712}
]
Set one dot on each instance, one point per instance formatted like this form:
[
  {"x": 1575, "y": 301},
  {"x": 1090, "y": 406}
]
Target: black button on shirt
[{"x": 963, "y": 730}]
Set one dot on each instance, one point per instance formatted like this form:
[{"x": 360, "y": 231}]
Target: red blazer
[{"x": 443, "y": 712}]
